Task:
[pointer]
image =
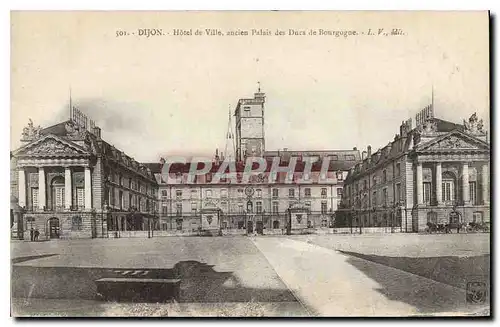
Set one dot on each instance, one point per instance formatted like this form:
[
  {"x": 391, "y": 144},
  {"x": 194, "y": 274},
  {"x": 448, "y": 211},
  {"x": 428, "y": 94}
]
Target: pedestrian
[
  {"x": 32, "y": 234},
  {"x": 37, "y": 233}
]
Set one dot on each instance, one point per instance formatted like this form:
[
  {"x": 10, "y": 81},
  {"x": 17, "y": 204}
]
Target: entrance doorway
[
  {"x": 260, "y": 227},
  {"x": 250, "y": 227},
  {"x": 54, "y": 227}
]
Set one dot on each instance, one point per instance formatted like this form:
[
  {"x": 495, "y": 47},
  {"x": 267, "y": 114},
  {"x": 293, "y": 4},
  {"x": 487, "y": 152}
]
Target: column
[
  {"x": 439, "y": 183},
  {"x": 22, "y": 187},
  {"x": 41, "y": 188},
  {"x": 88, "y": 189},
  {"x": 420, "y": 185},
  {"x": 465, "y": 183},
  {"x": 68, "y": 199},
  {"x": 485, "y": 184}
]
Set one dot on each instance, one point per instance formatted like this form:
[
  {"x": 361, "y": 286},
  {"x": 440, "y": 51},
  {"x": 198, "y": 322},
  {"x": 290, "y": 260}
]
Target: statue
[
  {"x": 30, "y": 132},
  {"x": 75, "y": 132},
  {"x": 474, "y": 125}
]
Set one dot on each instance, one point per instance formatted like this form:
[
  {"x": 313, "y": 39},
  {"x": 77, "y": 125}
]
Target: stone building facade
[
  {"x": 69, "y": 183},
  {"x": 437, "y": 172},
  {"x": 257, "y": 204}
]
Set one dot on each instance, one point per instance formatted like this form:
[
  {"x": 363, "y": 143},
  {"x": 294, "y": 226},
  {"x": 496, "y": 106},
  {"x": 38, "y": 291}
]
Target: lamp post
[{"x": 94, "y": 227}]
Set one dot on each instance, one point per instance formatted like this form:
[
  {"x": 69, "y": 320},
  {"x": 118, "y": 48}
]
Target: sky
[{"x": 170, "y": 95}]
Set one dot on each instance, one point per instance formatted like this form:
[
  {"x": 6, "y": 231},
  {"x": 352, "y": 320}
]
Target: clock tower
[{"x": 249, "y": 115}]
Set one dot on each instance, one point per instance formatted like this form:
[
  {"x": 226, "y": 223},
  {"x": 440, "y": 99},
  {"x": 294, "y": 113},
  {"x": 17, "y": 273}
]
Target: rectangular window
[
  {"x": 323, "y": 207},
  {"x": 472, "y": 192},
  {"x": 275, "y": 207},
  {"x": 448, "y": 191},
  {"x": 384, "y": 176},
  {"x": 194, "y": 194},
  {"x": 209, "y": 178},
  {"x": 76, "y": 223},
  {"x": 178, "y": 207},
  {"x": 240, "y": 192},
  {"x": 34, "y": 197},
  {"x": 240, "y": 207},
  {"x": 164, "y": 193},
  {"x": 208, "y": 193},
  {"x": 374, "y": 198},
  {"x": 398, "y": 170},
  {"x": 398, "y": 192},
  {"x": 164, "y": 209},
  {"x": 374, "y": 180},
  {"x": 179, "y": 224},
  {"x": 275, "y": 192},
  {"x": 59, "y": 197},
  {"x": 178, "y": 194},
  {"x": 291, "y": 193},
  {"x": 223, "y": 193},
  {"x": 323, "y": 192},
  {"x": 193, "y": 208},
  {"x": 427, "y": 192},
  {"x": 120, "y": 199},
  {"x": 258, "y": 193},
  {"x": 340, "y": 191},
  {"x": 307, "y": 192},
  {"x": 80, "y": 197},
  {"x": 340, "y": 176},
  {"x": 308, "y": 205},
  {"x": 384, "y": 195},
  {"x": 258, "y": 207},
  {"x": 477, "y": 217}
]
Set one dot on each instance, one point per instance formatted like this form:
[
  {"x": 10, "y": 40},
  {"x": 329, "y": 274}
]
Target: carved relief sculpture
[
  {"x": 50, "y": 146},
  {"x": 453, "y": 142}
]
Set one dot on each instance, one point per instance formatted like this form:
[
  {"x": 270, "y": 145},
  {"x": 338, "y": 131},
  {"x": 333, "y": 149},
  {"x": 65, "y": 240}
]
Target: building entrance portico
[{"x": 451, "y": 179}]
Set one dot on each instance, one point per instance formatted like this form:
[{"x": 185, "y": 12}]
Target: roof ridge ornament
[
  {"x": 30, "y": 132},
  {"x": 474, "y": 125}
]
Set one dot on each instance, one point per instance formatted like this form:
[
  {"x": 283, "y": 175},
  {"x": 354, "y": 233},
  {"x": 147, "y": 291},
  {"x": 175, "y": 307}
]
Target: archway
[{"x": 54, "y": 228}]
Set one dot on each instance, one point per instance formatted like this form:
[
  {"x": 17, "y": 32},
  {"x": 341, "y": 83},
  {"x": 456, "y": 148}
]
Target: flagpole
[{"x": 70, "y": 105}]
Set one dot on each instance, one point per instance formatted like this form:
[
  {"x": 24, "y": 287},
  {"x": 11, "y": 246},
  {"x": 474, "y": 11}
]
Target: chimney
[
  {"x": 216, "y": 156},
  {"x": 369, "y": 154},
  {"x": 355, "y": 149},
  {"x": 402, "y": 129}
]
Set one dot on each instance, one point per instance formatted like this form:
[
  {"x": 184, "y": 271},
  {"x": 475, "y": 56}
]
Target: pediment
[
  {"x": 454, "y": 141},
  {"x": 51, "y": 145}
]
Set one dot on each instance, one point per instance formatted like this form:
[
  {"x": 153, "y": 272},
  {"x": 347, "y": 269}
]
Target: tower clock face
[{"x": 249, "y": 191}]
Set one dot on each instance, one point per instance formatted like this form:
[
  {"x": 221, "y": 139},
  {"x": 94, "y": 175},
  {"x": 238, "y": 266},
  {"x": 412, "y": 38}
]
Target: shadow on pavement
[
  {"x": 451, "y": 270},
  {"x": 199, "y": 283},
  {"x": 31, "y": 257},
  {"x": 409, "y": 289}
]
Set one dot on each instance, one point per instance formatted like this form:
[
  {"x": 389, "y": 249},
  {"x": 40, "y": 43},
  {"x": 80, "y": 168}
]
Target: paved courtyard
[{"x": 330, "y": 275}]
